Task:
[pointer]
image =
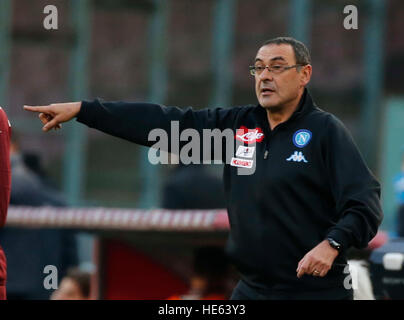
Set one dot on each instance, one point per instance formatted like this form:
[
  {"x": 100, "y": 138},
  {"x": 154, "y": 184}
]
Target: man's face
[{"x": 277, "y": 90}]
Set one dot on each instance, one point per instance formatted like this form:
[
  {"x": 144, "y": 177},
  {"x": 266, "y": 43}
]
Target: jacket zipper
[
  {"x": 268, "y": 135},
  {"x": 267, "y": 132}
]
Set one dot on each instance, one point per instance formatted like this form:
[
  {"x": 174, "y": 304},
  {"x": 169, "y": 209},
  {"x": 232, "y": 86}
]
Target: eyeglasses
[{"x": 276, "y": 69}]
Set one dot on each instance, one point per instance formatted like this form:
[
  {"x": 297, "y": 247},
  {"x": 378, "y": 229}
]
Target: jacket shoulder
[
  {"x": 242, "y": 111},
  {"x": 326, "y": 120}
]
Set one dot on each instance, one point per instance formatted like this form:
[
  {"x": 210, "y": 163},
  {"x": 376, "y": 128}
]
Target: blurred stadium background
[{"x": 184, "y": 53}]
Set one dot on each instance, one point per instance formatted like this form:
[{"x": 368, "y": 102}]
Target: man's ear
[{"x": 305, "y": 75}]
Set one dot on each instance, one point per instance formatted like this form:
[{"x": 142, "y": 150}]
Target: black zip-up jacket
[{"x": 310, "y": 183}]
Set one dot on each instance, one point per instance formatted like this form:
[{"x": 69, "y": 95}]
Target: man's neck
[{"x": 281, "y": 114}]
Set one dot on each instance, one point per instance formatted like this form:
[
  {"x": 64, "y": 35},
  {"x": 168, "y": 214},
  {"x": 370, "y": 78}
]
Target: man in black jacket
[{"x": 309, "y": 196}]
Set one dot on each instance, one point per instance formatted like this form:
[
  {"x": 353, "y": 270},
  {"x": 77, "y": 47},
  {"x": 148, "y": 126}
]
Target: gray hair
[{"x": 302, "y": 54}]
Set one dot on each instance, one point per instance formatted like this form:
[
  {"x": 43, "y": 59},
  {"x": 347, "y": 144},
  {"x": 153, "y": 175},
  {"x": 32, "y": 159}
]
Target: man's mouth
[{"x": 267, "y": 91}]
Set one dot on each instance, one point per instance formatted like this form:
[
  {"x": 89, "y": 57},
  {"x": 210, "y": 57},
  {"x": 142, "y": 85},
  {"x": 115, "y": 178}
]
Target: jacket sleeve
[
  {"x": 134, "y": 121},
  {"x": 355, "y": 190},
  {"x": 5, "y": 169}
]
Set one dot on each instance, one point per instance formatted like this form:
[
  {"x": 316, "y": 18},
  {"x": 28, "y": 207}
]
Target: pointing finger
[{"x": 44, "y": 109}]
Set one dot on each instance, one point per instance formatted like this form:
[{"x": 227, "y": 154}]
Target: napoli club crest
[{"x": 301, "y": 138}]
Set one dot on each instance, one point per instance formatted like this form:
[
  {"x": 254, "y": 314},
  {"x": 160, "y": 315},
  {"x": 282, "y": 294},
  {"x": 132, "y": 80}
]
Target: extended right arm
[{"x": 133, "y": 121}]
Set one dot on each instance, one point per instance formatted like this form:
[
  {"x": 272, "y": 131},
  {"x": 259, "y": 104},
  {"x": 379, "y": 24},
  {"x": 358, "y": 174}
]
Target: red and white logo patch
[
  {"x": 243, "y": 163},
  {"x": 249, "y": 135}
]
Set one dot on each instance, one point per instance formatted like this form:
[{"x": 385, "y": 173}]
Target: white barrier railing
[{"x": 118, "y": 219}]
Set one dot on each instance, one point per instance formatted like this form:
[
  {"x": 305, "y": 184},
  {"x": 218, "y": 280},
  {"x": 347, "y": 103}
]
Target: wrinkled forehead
[{"x": 276, "y": 53}]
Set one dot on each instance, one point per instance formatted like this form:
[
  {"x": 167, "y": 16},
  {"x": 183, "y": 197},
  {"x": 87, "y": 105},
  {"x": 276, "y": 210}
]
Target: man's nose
[{"x": 266, "y": 74}]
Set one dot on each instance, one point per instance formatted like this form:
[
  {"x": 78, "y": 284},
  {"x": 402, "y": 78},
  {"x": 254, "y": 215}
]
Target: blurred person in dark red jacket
[
  {"x": 5, "y": 186},
  {"x": 40, "y": 246}
]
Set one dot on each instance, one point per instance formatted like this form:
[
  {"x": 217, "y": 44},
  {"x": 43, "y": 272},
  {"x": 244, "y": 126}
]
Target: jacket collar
[{"x": 306, "y": 104}]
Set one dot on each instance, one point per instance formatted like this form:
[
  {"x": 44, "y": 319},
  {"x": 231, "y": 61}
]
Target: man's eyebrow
[
  {"x": 273, "y": 59},
  {"x": 278, "y": 58}
]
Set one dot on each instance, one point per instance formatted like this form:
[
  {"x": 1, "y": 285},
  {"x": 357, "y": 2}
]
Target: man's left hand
[{"x": 318, "y": 261}]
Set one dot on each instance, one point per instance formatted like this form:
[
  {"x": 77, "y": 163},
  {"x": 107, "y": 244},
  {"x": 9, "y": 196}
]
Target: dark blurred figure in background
[
  {"x": 33, "y": 162},
  {"x": 27, "y": 186},
  {"x": 76, "y": 285},
  {"x": 399, "y": 189},
  {"x": 27, "y": 250},
  {"x": 5, "y": 185},
  {"x": 210, "y": 276},
  {"x": 193, "y": 186}
]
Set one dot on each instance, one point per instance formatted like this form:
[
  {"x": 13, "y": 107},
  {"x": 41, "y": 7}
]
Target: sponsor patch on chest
[
  {"x": 249, "y": 136},
  {"x": 242, "y": 163},
  {"x": 245, "y": 152}
]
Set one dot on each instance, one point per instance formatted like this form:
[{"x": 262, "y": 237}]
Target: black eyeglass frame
[{"x": 253, "y": 70}]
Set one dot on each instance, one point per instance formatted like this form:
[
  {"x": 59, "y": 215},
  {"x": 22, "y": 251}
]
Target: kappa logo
[
  {"x": 249, "y": 136},
  {"x": 245, "y": 152},
  {"x": 297, "y": 156}
]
